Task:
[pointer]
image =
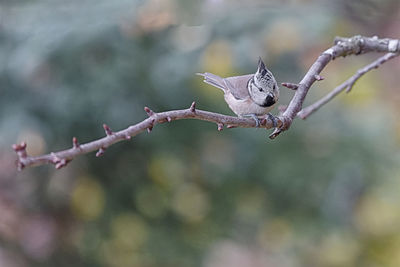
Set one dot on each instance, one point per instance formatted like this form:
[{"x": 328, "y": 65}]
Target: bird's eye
[
  {"x": 274, "y": 87},
  {"x": 260, "y": 89}
]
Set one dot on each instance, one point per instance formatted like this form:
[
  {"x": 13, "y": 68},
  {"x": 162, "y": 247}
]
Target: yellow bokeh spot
[
  {"x": 337, "y": 250},
  {"x": 385, "y": 251},
  {"x": 87, "y": 200},
  {"x": 377, "y": 215},
  {"x": 166, "y": 170},
  {"x": 35, "y": 142},
  {"x": 364, "y": 93},
  {"x": 129, "y": 231},
  {"x": 191, "y": 203},
  {"x": 217, "y": 58}
]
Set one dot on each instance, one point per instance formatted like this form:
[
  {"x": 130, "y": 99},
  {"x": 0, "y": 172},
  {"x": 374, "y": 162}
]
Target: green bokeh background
[{"x": 325, "y": 193}]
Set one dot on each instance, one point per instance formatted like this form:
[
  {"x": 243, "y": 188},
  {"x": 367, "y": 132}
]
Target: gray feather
[
  {"x": 236, "y": 85},
  {"x": 213, "y": 80}
]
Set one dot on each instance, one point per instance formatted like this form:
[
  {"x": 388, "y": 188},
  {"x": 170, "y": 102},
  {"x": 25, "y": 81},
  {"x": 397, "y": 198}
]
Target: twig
[
  {"x": 343, "y": 47},
  {"x": 292, "y": 86},
  {"x": 347, "y": 85},
  {"x": 62, "y": 158}
]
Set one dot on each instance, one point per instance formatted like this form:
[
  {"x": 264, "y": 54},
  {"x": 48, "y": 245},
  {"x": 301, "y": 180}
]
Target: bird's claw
[
  {"x": 273, "y": 119},
  {"x": 256, "y": 119}
]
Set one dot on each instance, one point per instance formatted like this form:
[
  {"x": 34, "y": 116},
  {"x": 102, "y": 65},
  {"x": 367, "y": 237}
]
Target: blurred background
[{"x": 325, "y": 193}]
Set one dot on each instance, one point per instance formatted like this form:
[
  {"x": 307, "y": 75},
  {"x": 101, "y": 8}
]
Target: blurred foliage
[{"x": 324, "y": 193}]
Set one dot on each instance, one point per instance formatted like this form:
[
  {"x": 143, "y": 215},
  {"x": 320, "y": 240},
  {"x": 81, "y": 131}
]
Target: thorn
[
  {"x": 150, "y": 128},
  {"x": 127, "y": 137},
  {"x": 220, "y": 126},
  {"x": 61, "y": 163},
  {"x": 169, "y": 119},
  {"x": 107, "y": 130},
  {"x": 148, "y": 111},
  {"x": 318, "y": 77},
  {"x": 100, "y": 152},
  {"x": 54, "y": 159},
  {"x": 193, "y": 107},
  {"x": 75, "y": 143},
  {"x": 230, "y": 126},
  {"x": 20, "y": 149},
  {"x": 292, "y": 86}
]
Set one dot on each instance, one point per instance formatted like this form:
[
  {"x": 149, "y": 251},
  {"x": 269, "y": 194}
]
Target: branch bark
[
  {"x": 343, "y": 46},
  {"x": 346, "y": 86},
  {"x": 61, "y": 158}
]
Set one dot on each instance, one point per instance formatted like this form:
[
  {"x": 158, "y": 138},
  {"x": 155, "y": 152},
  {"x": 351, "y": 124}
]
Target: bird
[{"x": 250, "y": 95}]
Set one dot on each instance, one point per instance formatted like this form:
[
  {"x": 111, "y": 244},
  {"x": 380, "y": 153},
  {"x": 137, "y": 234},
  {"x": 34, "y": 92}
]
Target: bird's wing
[
  {"x": 237, "y": 85},
  {"x": 214, "y": 80}
]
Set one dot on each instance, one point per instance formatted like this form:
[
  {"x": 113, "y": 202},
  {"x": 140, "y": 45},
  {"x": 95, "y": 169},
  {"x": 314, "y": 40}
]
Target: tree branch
[
  {"x": 343, "y": 47},
  {"x": 61, "y": 158},
  {"x": 347, "y": 85}
]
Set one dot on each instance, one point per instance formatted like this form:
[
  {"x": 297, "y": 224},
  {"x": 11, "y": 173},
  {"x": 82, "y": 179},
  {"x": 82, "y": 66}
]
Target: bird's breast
[{"x": 245, "y": 106}]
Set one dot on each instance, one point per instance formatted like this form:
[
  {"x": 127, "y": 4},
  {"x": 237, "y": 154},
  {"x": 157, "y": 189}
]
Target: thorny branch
[
  {"x": 347, "y": 85},
  {"x": 343, "y": 46},
  {"x": 61, "y": 158}
]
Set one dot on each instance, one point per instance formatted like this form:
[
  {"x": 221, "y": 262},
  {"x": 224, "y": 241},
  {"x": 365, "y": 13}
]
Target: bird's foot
[
  {"x": 254, "y": 116},
  {"x": 273, "y": 119}
]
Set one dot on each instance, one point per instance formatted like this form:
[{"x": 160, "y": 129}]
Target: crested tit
[{"x": 248, "y": 95}]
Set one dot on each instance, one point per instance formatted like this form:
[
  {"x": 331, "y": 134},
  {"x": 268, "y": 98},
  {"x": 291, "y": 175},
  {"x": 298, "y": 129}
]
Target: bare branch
[
  {"x": 107, "y": 129},
  {"x": 75, "y": 143},
  {"x": 318, "y": 77},
  {"x": 292, "y": 86},
  {"x": 62, "y": 158},
  {"x": 347, "y": 85},
  {"x": 193, "y": 107},
  {"x": 343, "y": 47}
]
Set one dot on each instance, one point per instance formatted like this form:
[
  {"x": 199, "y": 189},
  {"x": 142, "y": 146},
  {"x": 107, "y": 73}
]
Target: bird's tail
[{"x": 213, "y": 80}]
